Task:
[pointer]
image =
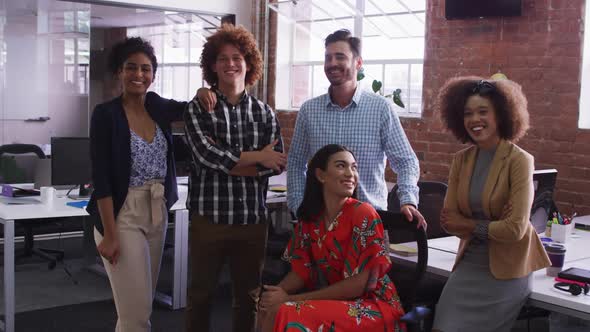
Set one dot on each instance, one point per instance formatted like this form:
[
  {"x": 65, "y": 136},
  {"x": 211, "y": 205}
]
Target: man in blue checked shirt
[{"x": 364, "y": 122}]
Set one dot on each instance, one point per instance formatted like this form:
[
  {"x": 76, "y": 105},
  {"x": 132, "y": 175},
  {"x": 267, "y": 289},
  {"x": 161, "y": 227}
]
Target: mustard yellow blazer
[{"x": 514, "y": 247}]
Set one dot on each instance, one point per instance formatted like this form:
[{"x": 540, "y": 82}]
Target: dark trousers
[{"x": 210, "y": 246}]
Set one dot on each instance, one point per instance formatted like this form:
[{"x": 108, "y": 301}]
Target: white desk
[
  {"x": 442, "y": 253},
  {"x": 10, "y": 214},
  {"x": 545, "y": 296}
]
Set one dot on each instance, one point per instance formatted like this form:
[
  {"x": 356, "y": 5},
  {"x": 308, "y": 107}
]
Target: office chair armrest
[{"x": 416, "y": 315}]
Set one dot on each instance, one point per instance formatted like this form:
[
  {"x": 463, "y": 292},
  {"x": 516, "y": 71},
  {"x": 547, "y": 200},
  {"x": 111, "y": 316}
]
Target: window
[
  {"x": 178, "y": 45},
  {"x": 584, "y": 120},
  {"x": 69, "y": 40},
  {"x": 392, "y": 33}
]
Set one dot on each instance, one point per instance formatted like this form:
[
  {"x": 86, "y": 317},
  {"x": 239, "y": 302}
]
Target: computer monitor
[
  {"x": 544, "y": 183},
  {"x": 70, "y": 162}
]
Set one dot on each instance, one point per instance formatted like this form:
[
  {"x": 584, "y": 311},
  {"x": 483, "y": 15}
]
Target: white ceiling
[{"x": 27, "y": 11}]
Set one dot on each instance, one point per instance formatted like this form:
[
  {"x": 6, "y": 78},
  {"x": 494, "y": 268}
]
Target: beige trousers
[{"x": 141, "y": 225}]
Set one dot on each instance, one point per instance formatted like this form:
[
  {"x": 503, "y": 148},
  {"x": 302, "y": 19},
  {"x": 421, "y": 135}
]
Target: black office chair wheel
[{"x": 51, "y": 265}]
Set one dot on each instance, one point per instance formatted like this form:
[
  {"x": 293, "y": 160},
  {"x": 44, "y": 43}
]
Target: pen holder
[{"x": 561, "y": 233}]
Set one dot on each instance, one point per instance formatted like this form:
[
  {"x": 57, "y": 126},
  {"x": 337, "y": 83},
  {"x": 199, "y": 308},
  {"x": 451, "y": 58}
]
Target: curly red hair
[
  {"x": 243, "y": 40},
  {"x": 509, "y": 103}
]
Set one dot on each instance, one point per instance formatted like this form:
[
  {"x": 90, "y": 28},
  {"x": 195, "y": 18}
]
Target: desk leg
[
  {"x": 179, "y": 286},
  {"x": 8, "y": 275},
  {"x": 177, "y": 299}
]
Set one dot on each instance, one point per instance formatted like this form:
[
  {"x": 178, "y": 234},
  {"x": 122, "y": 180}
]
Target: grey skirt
[{"x": 473, "y": 300}]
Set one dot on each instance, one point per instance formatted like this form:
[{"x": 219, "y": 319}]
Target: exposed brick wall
[
  {"x": 542, "y": 50},
  {"x": 287, "y": 121}
]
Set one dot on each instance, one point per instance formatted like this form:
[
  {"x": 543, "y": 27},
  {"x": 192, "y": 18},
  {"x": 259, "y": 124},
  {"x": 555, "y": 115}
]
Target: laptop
[{"x": 582, "y": 222}]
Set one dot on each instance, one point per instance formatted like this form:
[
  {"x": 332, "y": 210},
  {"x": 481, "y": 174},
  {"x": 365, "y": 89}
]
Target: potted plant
[{"x": 376, "y": 86}]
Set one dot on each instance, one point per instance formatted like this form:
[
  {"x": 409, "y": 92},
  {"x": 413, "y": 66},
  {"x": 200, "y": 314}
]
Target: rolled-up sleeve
[
  {"x": 297, "y": 161},
  {"x": 272, "y": 133},
  {"x": 401, "y": 156},
  {"x": 205, "y": 151},
  {"x": 100, "y": 152}
]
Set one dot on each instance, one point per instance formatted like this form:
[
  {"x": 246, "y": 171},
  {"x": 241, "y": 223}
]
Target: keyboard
[{"x": 19, "y": 192}]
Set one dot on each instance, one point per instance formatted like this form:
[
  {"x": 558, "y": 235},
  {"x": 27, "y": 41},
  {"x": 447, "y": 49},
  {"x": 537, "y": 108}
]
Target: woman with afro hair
[{"x": 488, "y": 206}]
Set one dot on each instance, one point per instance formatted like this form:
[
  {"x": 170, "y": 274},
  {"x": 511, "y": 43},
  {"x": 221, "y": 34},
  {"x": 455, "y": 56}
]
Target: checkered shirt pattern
[
  {"x": 369, "y": 127},
  {"x": 216, "y": 140}
]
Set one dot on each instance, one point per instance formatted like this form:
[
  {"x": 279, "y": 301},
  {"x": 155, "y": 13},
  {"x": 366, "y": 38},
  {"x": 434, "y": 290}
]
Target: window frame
[{"x": 358, "y": 28}]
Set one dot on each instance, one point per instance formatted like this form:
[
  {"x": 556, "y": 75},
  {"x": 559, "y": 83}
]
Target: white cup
[
  {"x": 47, "y": 195},
  {"x": 561, "y": 233}
]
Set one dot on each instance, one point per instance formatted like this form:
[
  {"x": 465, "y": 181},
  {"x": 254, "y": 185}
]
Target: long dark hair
[{"x": 313, "y": 196}]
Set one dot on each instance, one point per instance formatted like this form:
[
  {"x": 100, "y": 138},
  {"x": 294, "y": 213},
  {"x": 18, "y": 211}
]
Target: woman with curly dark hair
[
  {"x": 134, "y": 181},
  {"x": 488, "y": 206}
]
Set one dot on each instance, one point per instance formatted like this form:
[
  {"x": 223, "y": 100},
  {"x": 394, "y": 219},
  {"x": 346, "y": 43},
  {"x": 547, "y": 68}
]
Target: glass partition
[{"x": 53, "y": 61}]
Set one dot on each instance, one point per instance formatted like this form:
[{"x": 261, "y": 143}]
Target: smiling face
[
  {"x": 230, "y": 66},
  {"x": 341, "y": 175},
  {"x": 340, "y": 64},
  {"x": 136, "y": 74},
  {"x": 479, "y": 119}
]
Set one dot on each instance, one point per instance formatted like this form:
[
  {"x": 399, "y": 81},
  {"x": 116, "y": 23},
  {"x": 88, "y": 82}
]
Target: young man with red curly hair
[{"x": 235, "y": 148}]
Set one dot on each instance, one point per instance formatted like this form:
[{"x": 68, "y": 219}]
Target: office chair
[
  {"x": 407, "y": 280},
  {"x": 51, "y": 255},
  {"x": 432, "y": 197},
  {"x": 275, "y": 268}
]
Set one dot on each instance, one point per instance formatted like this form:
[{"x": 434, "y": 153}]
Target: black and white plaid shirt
[{"x": 216, "y": 139}]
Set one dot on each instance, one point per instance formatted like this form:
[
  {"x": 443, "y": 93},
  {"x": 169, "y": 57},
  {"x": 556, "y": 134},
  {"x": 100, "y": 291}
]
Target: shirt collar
[
  {"x": 222, "y": 97},
  {"x": 356, "y": 98}
]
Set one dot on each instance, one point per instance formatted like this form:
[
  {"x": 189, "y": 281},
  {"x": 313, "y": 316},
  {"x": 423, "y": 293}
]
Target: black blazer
[{"x": 110, "y": 150}]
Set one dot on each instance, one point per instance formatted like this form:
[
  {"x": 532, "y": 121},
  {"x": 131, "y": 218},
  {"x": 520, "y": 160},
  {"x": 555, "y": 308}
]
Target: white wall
[{"x": 241, "y": 8}]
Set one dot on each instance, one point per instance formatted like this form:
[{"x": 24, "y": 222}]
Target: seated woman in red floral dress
[{"x": 338, "y": 255}]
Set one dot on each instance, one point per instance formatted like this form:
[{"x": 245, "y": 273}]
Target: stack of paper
[
  {"x": 277, "y": 188},
  {"x": 403, "y": 250}
]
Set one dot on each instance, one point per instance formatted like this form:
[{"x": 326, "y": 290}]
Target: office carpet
[{"x": 101, "y": 317}]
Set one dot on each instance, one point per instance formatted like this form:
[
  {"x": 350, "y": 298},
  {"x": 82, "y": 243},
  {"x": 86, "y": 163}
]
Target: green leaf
[
  {"x": 355, "y": 247},
  {"x": 297, "y": 326},
  {"x": 337, "y": 244},
  {"x": 374, "y": 223},
  {"x": 374, "y": 313},
  {"x": 348, "y": 268},
  {"x": 376, "y": 86},
  {"x": 333, "y": 327},
  {"x": 397, "y": 99},
  {"x": 363, "y": 263},
  {"x": 360, "y": 74}
]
